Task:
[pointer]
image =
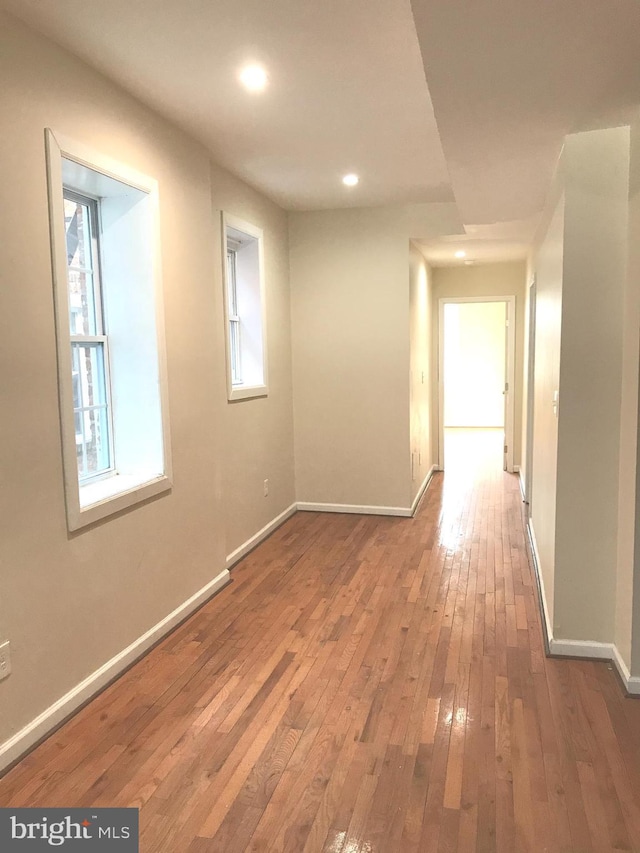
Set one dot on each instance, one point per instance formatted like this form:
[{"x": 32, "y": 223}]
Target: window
[
  {"x": 234, "y": 317},
  {"x": 89, "y": 353},
  {"x": 112, "y": 386},
  {"x": 245, "y": 309}
]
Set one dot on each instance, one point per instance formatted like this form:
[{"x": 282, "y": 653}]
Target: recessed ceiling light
[
  {"x": 468, "y": 263},
  {"x": 253, "y": 78},
  {"x": 460, "y": 254},
  {"x": 350, "y": 180}
]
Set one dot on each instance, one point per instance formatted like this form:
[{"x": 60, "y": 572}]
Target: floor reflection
[
  {"x": 471, "y": 457},
  {"x": 472, "y": 453}
]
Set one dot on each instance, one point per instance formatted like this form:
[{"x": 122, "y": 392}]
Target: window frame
[
  {"x": 112, "y": 492},
  {"x": 92, "y": 340},
  {"x": 233, "y": 317},
  {"x": 92, "y": 204},
  {"x": 243, "y": 390}
]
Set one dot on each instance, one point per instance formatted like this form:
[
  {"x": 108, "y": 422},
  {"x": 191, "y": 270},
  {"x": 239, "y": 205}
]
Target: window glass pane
[
  {"x": 90, "y": 408},
  {"x": 245, "y": 315},
  {"x": 82, "y": 303},
  {"x": 234, "y": 320},
  {"x": 231, "y": 282}
]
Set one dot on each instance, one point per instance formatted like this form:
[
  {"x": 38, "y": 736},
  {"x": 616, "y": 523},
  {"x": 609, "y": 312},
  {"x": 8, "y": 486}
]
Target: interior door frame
[
  {"x": 531, "y": 371},
  {"x": 510, "y": 371}
]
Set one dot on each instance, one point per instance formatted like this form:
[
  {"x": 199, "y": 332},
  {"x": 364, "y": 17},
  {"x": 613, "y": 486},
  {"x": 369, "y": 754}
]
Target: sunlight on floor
[
  {"x": 472, "y": 453},
  {"x": 473, "y": 457}
]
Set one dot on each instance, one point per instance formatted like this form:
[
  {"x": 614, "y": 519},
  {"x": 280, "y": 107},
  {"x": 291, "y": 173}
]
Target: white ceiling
[
  {"x": 507, "y": 80},
  {"x": 346, "y": 88},
  {"x": 504, "y": 241},
  {"x": 510, "y": 78}
]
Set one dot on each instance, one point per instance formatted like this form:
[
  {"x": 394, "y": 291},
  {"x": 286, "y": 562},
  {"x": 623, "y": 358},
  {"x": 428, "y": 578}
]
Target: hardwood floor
[{"x": 365, "y": 685}]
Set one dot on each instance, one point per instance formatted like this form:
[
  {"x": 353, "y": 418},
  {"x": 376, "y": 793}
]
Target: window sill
[
  {"x": 247, "y": 392},
  {"x": 113, "y": 494}
]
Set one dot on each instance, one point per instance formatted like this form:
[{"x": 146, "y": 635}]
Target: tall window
[
  {"x": 233, "y": 315},
  {"x": 89, "y": 343},
  {"x": 109, "y": 332},
  {"x": 245, "y": 309}
]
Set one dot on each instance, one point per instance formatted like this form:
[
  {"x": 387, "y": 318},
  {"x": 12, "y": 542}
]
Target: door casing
[{"x": 509, "y": 408}]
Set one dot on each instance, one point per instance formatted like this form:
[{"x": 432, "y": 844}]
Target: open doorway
[{"x": 477, "y": 344}]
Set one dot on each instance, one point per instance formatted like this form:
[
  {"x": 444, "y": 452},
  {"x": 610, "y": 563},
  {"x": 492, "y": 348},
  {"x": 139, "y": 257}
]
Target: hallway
[{"x": 365, "y": 684}]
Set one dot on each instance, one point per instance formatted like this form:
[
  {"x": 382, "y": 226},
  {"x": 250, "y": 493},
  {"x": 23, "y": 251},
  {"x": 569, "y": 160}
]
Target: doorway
[
  {"x": 531, "y": 370},
  {"x": 476, "y": 380}
]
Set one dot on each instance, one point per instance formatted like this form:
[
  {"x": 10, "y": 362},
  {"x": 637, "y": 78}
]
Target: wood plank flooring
[{"x": 365, "y": 685}]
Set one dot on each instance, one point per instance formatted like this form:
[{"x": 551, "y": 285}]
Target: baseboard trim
[
  {"x": 422, "y": 490},
  {"x": 40, "y": 727},
  {"x": 589, "y": 649},
  {"x": 631, "y": 682},
  {"x": 592, "y": 650},
  {"x": 362, "y": 509},
  {"x": 548, "y": 633},
  {"x": 235, "y": 556},
  {"x": 357, "y": 509},
  {"x": 581, "y": 649}
]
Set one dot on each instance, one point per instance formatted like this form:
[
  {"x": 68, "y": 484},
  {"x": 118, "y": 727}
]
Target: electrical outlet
[
  {"x": 5, "y": 659},
  {"x": 266, "y": 488}
]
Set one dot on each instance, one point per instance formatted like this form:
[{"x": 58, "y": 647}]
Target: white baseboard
[
  {"x": 422, "y": 490},
  {"x": 362, "y": 509},
  {"x": 45, "y": 722},
  {"x": 523, "y": 488},
  {"x": 404, "y": 512},
  {"x": 257, "y": 538},
  {"x": 537, "y": 569},
  {"x": 580, "y": 648},
  {"x": 598, "y": 651},
  {"x": 516, "y": 469},
  {"x": 632, "y": 682}
]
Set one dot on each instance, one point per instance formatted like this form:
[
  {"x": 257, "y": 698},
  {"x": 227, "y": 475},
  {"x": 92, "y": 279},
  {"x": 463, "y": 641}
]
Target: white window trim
[
  {"x": 244, "y": 392},
  {"x": 88, "y": 504}
]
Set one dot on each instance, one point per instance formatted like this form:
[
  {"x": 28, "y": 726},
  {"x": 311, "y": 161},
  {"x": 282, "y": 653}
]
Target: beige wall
[
  {"x": 628, "y": 568},
  {"x": 258, "y": 433},
  {"x": 504, "y": 279},
  {"x": 595, "y": 174},
  {"x": 420, "y": 285},
  {"x": 69, "y": 603},
  {"x": 581, "y": 277},
  {"x": 351, "y": 354}
]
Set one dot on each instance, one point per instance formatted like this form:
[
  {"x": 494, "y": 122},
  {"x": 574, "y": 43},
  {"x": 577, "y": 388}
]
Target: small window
[
  {"x": 234, "y": 317},
  {"x": 89, "y": 344},
  {"x": 245, "y": 309},
  {"x": 112, "y": 386}
]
